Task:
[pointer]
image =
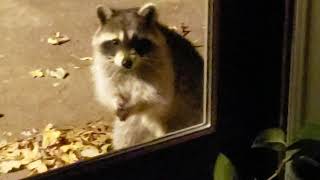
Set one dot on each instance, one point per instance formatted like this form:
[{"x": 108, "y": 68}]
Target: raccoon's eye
[
  {"x": 115, "y": 42},
  {"x": 111, "y": 43},
  {"x": 142, "y": 46}
]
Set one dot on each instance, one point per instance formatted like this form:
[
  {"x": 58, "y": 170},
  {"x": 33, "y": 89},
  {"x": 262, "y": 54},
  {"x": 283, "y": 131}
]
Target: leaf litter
[
  {"x": 58, "y": 73},
  {"x": 41, "y": 151},
  {"x": 58, "y": 39}
]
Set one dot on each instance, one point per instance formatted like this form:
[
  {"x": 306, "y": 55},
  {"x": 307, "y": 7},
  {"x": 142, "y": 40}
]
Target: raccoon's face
[{"x": 129, "y": 38}]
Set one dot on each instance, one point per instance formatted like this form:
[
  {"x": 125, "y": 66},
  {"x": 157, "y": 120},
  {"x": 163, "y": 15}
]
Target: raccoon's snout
[
  {"x": 127, "y": 63},
  {"x": 124, "y": 60}
]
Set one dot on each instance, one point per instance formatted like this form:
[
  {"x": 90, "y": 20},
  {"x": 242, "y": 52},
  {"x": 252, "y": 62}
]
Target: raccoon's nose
[{"x": 127, "y": 63}]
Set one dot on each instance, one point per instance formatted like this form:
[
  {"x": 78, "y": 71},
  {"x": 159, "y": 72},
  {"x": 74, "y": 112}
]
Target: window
[{"x": 88, "y": 80}]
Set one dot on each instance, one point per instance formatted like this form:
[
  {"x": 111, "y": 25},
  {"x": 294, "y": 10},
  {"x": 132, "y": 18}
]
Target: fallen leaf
[
  {"x": 53, "y": 148},
  {"x": 105, "y": 148},
  {"x": 50, "y": 137},
  {"x": 49, "y": 162},
  {"x": 12, "y": 147},
  {"x": 58, "y": 73},
  {"x": 58, "y": 39},
  {"x": 90, "y": 152},
  {"x": 38, "y": 165},
  {"x": 37, "y": 73},
  {"x": 7, "y": 166},
  {"x": 101, "y": 139},
  {"x": 3, "y": 143},
  {"x": 30, "y": 155},
  {"x": 73, "y": 147},
  {"x": 69, "y": 158},
  {"x": 58, "y": 164},
  {"x": 53, "y": 41}
]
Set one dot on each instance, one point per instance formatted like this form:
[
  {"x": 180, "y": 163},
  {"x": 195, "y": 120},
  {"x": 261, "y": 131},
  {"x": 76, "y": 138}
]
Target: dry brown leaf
[
  {"x": 12, "y": 147},
  {"x": 7, "y": 166},
  {"x": 59, "y": 147},
  {"x": 69, "y": 158},
  {"x": 58, "y": 73},
  {"x": 53, "y": 41},
  {"x": 90, "y": 152},
  {"x": 38, "y": 165},
  {"x": 49, "y": 162},
  {"x": 58, "y": 39},
  {"x": 50, "y": 136},
  {"x": 101, "y": 139},
  {"x": 73, "y": 147},
  {"x": 30, "y": 155},
  {"x": 58, "y": 164},
  {"x": 105, "y": 148},
  {"x": 37, "y": 73},
  {"x": 3, "y": 143}
]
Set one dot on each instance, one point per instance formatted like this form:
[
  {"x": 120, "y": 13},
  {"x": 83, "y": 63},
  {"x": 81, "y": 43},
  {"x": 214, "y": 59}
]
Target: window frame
[{"x": 178, "y": 137}]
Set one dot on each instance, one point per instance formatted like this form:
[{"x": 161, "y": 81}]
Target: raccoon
[{"x": 136, "y": 72}]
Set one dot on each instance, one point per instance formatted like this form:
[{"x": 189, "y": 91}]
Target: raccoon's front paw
[
  {"x": 122, "y": 111},
  {"x": 122, "y": 114}
]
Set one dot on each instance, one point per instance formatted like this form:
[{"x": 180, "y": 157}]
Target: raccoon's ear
[
  {"x": 149, "y": 11},
  {"x": 104, "y": 14}
]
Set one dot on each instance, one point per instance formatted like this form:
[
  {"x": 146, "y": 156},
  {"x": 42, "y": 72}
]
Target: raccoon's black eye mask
[
  {"x": 142, "y": 46},
  {"x": 114, "y": 42},
  {"x": 110, "y": 47}
]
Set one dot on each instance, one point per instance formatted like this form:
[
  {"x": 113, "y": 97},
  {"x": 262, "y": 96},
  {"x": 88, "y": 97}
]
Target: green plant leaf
[
  {"x": 224, "y": 169},
  {"x": 273, "y": 138}
]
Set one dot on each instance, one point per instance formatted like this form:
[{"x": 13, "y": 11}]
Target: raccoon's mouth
[{"x": 127, "y": 63}]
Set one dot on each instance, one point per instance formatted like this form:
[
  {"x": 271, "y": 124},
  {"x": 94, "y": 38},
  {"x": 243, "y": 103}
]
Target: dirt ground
[{"x": 25, "y": 25}]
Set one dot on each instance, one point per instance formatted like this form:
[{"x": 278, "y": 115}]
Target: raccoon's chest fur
[{"x": 114, "y": 85}]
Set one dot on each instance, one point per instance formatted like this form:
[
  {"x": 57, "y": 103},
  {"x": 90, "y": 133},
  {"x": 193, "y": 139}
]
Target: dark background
[{"x": 251, "y": 75}]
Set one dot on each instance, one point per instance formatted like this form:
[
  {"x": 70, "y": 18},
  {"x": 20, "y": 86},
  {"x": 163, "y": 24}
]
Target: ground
[{"x": 25, "y": 25}]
